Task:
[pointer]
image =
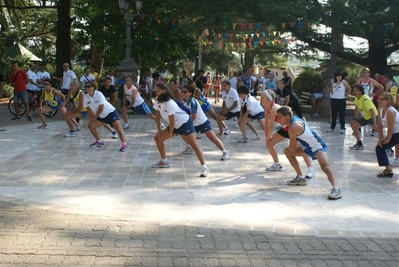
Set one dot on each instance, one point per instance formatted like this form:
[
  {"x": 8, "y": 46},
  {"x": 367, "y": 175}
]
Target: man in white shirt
[
  {"x": 32, "y": 85},
  {"x": 87, "y": 77},
  {"x": 264, "y": 80},
  {"x": 41, "y": 75},
  {"x": 67, "y": 78},
  {"x": 230, "y": 107},
  {"x": 233, "y": 80}
]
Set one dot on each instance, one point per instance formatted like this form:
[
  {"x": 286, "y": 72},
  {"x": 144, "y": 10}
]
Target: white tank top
[
  {"x": 367, "y": 86},
  {"x": 339, "y": 91},
  {"x": 138, "y": 100},
  {"x": 395, "y": 123}
]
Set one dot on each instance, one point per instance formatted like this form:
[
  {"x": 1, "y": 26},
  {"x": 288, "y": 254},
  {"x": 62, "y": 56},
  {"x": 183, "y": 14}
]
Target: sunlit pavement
[{"x": 44, "y": 170}]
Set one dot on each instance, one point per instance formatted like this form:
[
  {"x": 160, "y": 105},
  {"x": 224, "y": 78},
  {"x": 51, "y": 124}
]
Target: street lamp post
[{"x": 127, "y": 66}]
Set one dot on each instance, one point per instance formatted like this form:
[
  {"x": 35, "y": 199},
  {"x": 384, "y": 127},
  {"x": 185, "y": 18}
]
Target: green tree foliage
[
  {"x": 372, "y": 20},
  {"x": 308, "y": 81}
]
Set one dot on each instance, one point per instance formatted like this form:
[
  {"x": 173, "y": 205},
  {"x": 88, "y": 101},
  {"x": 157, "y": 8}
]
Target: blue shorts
[
  {"x": 84, "y": 114},
  {"x": 259, "y": 116},
  {"x": 232, "y": 115},
  {"x": 186, "y": 129},
  {"x": 110, "y": 118},
  {"x": 313, "y": 154},
  {"x": 21, "y": 95},
  {"x": 141, "y": 109},
  {"x": 206, "y": 126}
]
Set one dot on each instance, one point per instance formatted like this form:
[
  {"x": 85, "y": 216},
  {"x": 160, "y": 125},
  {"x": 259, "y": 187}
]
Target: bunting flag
[
  {"x": 250, "y": 26},
  {"x": 283, "y": 25},
  {"x": 234, "y": 26}
]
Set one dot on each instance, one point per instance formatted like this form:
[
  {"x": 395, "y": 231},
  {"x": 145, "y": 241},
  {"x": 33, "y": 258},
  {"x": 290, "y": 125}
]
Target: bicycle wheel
[
  {"x": 11, "y": 107},
  {"x": 50, "y": 114}
]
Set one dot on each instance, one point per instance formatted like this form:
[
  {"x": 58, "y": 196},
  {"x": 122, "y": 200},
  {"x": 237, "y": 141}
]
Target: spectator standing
[
  {"x": 287, "y": 81},
  {"x": 200, "y": 80},
  {"x": 41, "y": 75},
  {"x": 233, "y": 80},
  {"x": 88, "y": 77},
  {"x": 67, "y": 77},
  {"x": 216, "y": 81},
  {"x": 18, "y": 80},
  {"x": 339, "y": 92}
]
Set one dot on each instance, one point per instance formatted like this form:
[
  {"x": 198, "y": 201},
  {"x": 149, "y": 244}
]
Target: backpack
[{"x": 183, "y": 107}]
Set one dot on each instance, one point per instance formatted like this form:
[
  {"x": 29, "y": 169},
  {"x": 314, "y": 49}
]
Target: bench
[{"x": 304, "y": 98}]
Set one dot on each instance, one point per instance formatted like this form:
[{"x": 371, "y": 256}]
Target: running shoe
[
  {"x": 297, "y": 181},
  {"x": 123, "y": 148},
  {"x": 274, "y": 167},
  {"x": 335, "y": 193},
  {"x": 204, "y": 171},
  {"x": 310, "y": 174},
  {"x": 114, "y": 135},
  {"x": 356, "y": 147},
  {"x": 125, "y": 126},
  {"x": 97, "y": 144},
  {"x": 79, "y": 128},
  {"x": 70, "y": 134},
  {"x": 188, "y": 150},
  {"x": 330, "y": 130},
  {"x": 43, "y": 126},
  {"x": 243, "y": 141},
  {"x": 161, "y": 164},
  {"x": 226, "y": 131},
  {"x": 225, "y": 156}
]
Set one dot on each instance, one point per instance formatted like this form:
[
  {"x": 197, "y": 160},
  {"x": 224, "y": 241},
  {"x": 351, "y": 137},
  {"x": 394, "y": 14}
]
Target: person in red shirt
[{"x": 19, "y": 79}]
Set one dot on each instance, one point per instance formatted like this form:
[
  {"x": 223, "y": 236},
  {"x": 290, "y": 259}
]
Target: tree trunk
[
  {"x": 377, "y": 58},
  {"x": 63, "y": 43},
  {"x": 96, "y": 58},
  {"x": 249, "y": 58}
]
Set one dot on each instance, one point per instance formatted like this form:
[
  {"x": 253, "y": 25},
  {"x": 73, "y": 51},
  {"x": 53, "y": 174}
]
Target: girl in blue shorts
[
  {"x": 200, "y": 121},
  {"x": 180, "y": 123}
]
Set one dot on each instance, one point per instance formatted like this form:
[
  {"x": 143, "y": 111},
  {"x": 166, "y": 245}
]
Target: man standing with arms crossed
[
  {"x": 67, "y": 78},
  {"x": 19, "y": 79}
]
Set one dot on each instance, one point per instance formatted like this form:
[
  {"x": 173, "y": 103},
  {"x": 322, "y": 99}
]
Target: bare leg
[
  {"x": 119, "y": 130},
  {"x": 192, "y": 141},
  {"x": 270, "y": 144},
  {"x": 294, "y": 162}
]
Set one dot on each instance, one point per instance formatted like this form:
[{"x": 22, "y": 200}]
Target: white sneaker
[
  {"x": 395, "y": 163},
  {"x": 315, "y": 115},
  {"x": 237, "y": 126},
  {"x": 226, "y": 131},
  {"x": 330, "y": 130},
  {"x": 70, "y": 134},
  {"x": 373, "y": 133},
  {"x": 310, "y": 174},
  {"x": 225, "y": 156},
  {"x": 114, "y": 135},
  {"x": 199, "y": 135},
  {"x": 274, "y": 167},
  {"x": 343, "y": 131},
  {"x": 125, "y": 126},
  {"x": 188, "y": 150},
  {"x": 204, "y": 171}
]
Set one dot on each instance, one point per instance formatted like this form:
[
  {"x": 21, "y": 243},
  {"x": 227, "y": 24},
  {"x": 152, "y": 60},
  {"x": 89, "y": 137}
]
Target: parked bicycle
[{"x": 32, "y": 102}]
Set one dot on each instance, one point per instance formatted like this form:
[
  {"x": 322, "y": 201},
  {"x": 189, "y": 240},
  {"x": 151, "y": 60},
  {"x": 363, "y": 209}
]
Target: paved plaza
[{"x": 62, "y": 202}]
